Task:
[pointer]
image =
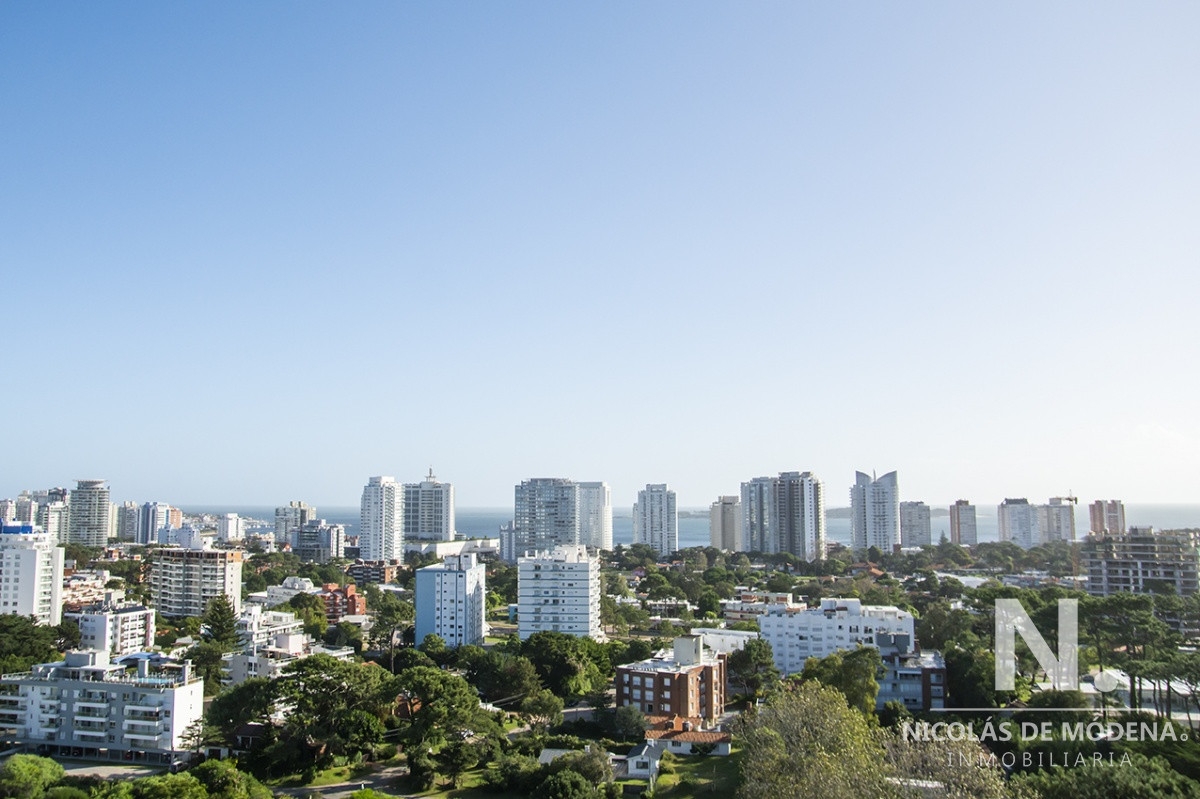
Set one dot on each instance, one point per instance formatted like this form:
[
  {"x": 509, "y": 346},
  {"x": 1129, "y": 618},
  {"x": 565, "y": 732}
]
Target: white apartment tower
[
  {"x": 292, "y": 516},
  {"x": 1057, "y": 520},
  {"x": 1107, "y": 516},
  {"x": 725, "y": 523},
  {"x": 231, "y": 528},
  {"x": 656, "y": 519},
  {"x": 91, "y": 514},
  {"x": 963, "y": 530},
  {"x": 451, "y": 600},
  {"x": 429, "y": 510},
  {"x": 559, "y": 591},
  {"x": 184, "y": 579},
  {"x": 381, "y": 520},
  {"x": 545, "y": 515},
  {"x": 1019, "y": 522},
  {"x": 31, "y": 565},
  {"x": 875, "y": 512},
  {"x": 595, "y": 516},
  {"x": 128, "y": 516},
  {"x": 915, "y": 528}
]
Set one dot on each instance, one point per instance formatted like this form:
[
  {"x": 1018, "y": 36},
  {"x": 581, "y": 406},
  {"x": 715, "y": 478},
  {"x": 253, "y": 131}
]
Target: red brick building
[
  {"x": 688, "y": 682},
  {"x": 341, "y": 602}
]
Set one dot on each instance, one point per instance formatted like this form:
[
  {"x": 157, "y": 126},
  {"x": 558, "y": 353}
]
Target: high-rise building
[
  {"x": 1142, "y": 561},
  {"x": 429, "y": 510},
  {"x": 54, "y": 513},
  {"x": 1056, "y": 520},
  {"x": 656, "y": 519},
  {"x": 451, "y": 600},
  {"x": 962, "y": 524},
  {"x": 1107, "y": 516},
  {"x": 875, "y": 512},
  {"x": 1019, "y": 522},
  {"x": 319, "y": 542},
  {"x": 184, "y": 579},
  {"x": 799, "y": 515},
  {"x": 559, "y": 591},
  {"x": 381, "y": 520},
  {"x": 231, "y": 528},
  {"x": 595, "y": 516},
  {"x": 91, "y": 514},
  {"x": 128, "y": 517},
  {"x": 915, "y": 529},
  {"x": 758, "y": 523},
  {"x": 154, "y": 523},
  {"x": 725, "y": 523},
  {"x": 292, "y": 516},
  {"x": 545, "y": 515},
  {"x": 26, "y": 508},
  {"x": 31, "y": 563}
]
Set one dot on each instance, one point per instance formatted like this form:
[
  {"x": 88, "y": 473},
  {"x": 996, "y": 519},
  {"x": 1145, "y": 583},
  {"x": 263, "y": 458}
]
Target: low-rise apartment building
[
  {"x": 796, "y": 634},
  {"x": 87, "y": 705},
  {"x": 687, "y": 681}
]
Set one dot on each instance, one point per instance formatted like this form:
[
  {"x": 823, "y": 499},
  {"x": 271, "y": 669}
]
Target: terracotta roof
[{"x": 693, "y": 736}]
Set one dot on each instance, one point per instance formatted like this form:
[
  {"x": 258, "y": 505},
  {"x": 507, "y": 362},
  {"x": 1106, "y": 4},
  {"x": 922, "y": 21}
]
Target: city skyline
[{"x": 619, "y": 243}]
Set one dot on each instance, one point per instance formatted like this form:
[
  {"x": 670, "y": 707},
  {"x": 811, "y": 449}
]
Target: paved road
[{"x": 105, "y": 771}]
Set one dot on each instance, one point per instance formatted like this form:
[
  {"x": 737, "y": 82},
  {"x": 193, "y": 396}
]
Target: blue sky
[{"x": 257, "y": 252}]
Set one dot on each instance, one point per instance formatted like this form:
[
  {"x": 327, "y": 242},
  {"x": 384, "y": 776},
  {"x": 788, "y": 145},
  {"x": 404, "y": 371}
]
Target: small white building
[
  {"x": 797, "y": 635},
  {"x": 292, "y": 586},
  {"x": 257, "y": 627},
  {"x": 559, "y": 591},
  {"x": 451, "y": 601},
  {"x": 31, "y": 563},
  {"x": 723, "y": 641},
  {"x": 270, "y": 660},
  {"x": 119, "y": 628}
]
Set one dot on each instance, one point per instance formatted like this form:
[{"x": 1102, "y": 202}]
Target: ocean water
[{"x": 693, "y": 530}]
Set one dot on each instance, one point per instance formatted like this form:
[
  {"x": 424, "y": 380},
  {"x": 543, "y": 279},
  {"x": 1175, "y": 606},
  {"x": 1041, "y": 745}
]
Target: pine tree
[{"x": 220, "y": 621}]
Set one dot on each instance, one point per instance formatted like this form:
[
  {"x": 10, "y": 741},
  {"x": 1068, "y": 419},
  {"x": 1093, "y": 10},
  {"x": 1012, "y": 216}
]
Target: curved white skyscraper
[
  {"x": 875, "y": 512},
  {"x": 381, "y": 520}
]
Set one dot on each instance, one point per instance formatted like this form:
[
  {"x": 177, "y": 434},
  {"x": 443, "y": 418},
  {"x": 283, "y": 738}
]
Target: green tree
[
  {"x": 28, "y": 776},
  {"x": 543, "y": 708},
  {"x": 220, "y": 623},
  {"x": 853, "y": 673},
  {"x": 809, "y": 743},
  {"x": 441, "y": 706},
  {"x": 455, "y": 758},
  {"x": 565, "y": 785},
  {"x": 169, "y": 786},
  {"x": 252, "y": 700},
  {"x": 1141, "y": 778},
  {"x": 206, "y": 659},
  {"x": 310, "y": 609},
  {"x": 434, "y": 646},
  {"x": 753, "y": 666},
  {"x": 223, "y": 780},
  {"x": 630, "y": 723}
]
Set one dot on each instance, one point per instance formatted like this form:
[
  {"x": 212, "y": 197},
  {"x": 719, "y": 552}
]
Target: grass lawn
[
  {"x": 697, "y": 776},
  {"x": 329, "y": 776},
  {"x": 470, "y": 787}
]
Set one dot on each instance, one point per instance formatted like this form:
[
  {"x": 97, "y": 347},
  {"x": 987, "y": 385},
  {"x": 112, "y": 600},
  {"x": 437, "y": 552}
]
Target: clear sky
[{"x": 253, "y": 252}]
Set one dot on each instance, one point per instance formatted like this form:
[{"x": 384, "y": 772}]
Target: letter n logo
[{"x": 1011, "y": 619}]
